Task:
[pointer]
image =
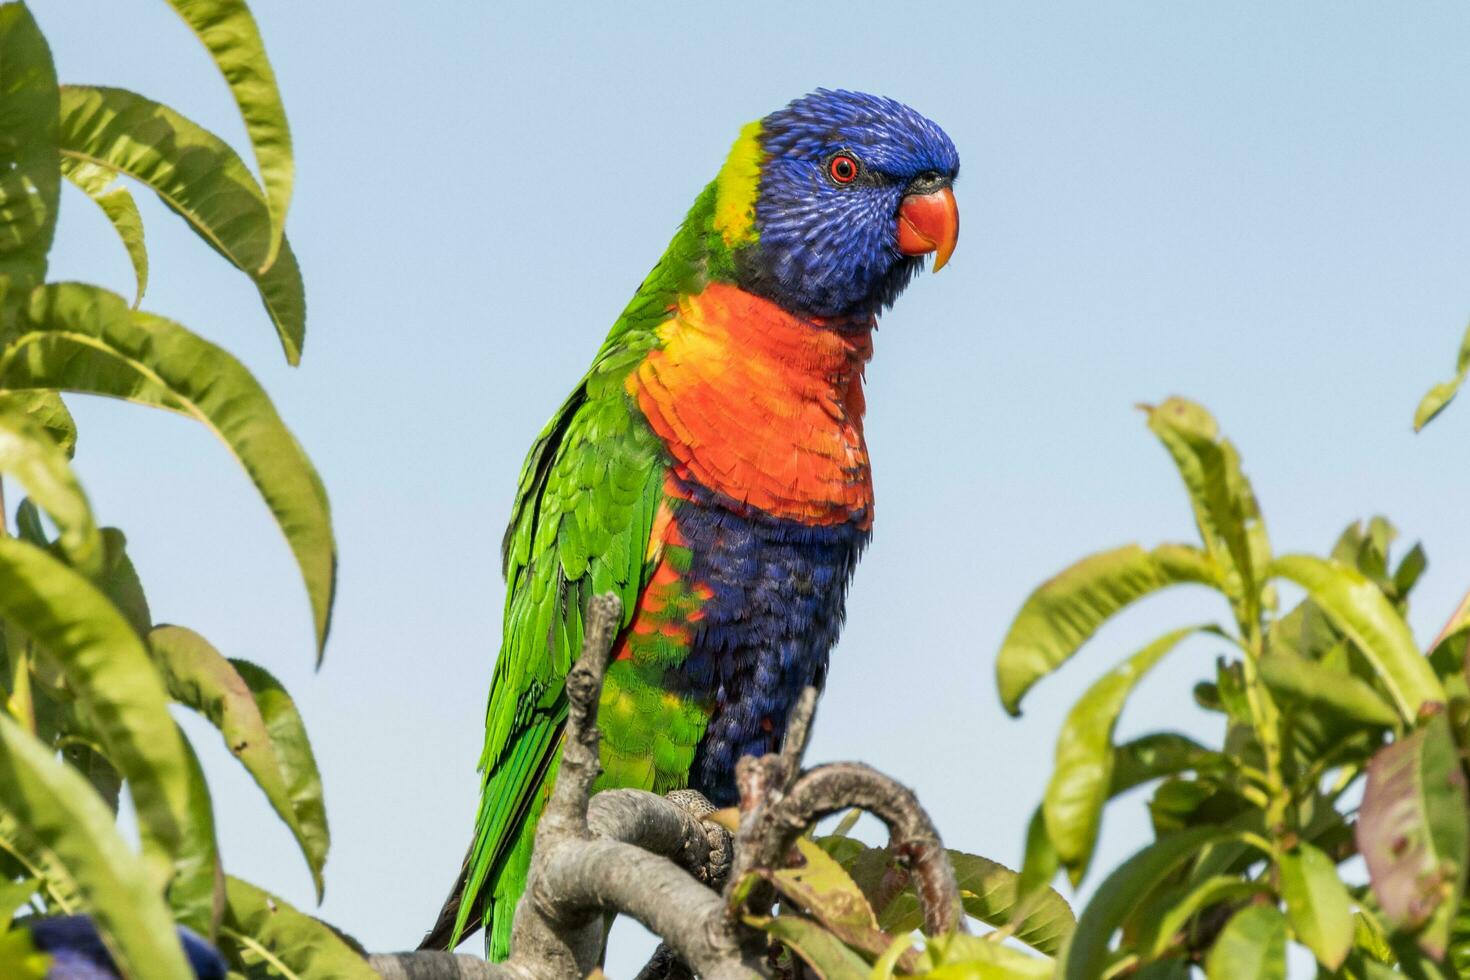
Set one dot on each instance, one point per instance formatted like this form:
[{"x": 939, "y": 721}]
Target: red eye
[{"x": 843, "y": 168}]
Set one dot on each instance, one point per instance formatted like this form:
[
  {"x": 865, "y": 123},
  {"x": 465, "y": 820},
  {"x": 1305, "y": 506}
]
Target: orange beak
[{"x": 929, "y": 223}]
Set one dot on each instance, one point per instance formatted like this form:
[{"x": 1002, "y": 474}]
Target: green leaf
[
  {"x": 1086, "y": 955},
  {"x": 121, "y": 210},
  {"x": 827, "y": 956},
  {"x": 119, "y": 582},
  {"x": 1205, "y": 894},
  {"x": 47, "y": 409},
  {"x": 260, "y": 926},
  {"x": 1065, "y": 611},
  {"x": 1159, "y": 754},
  {"x": 1252, "y": 946},
  {"x": 115, "y": 685},
  {"x": 30, "y": 182},
  {"x": 1224, "y": 506},
  {"x": 66, "y": 819},
  {"x": 198, "y": 676},
  {"x": 1317, "y": 904},
  {"x": 1297, "y": 678},
  {"x": 1082, "y": 774},
  {"x": 197, "y": 892},
  {"x": 32, "y": 457},
  {"x": 86, "y": 339},
  {"x": 964, "y": 957},
  {"x": 297, "y": 763},
  {"x": 1442, "y": 394},
  {"x": 200, "y": 178},
  {"x": 1413, "y": 834},
  {"x": 13, "y": 895},
  {"x": 20, "y": 846},
  {"x": 991, "y": 893},
  {"x": 228, "y": 30},
  {"x": 1358, "y": 609},
  {"x": 1040, "y": 863},
  {"x": 823, "y": 889}
]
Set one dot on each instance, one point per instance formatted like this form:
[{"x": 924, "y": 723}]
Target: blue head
[{"x": 831, "y": 202}]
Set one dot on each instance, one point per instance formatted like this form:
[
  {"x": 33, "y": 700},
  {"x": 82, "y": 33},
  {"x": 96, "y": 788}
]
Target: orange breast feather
[{"x": 762, "y": 406}]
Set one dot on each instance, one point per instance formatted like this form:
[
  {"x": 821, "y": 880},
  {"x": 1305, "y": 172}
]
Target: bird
[
  {"x": 710, "y": 469},
  {"x": 69, "y": 947}
]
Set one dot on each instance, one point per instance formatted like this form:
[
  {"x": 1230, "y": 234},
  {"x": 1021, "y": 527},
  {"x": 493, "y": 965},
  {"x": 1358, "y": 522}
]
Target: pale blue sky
[{"x": 1260, "y": 206}]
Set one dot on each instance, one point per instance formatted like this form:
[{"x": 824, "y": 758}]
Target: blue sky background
[{"x": 1259, "y": 206}]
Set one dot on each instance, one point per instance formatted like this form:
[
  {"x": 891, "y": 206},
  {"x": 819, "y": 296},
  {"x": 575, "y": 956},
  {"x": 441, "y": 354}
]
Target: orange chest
[{"x": 761, "y": 406}]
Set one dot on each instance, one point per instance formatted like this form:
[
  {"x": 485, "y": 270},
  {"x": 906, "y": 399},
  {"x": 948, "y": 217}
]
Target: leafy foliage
[
  {"x": 849, "y": 911},
  {"x": 1319, "y": 702},
  {"x": 88, "y": 677}
]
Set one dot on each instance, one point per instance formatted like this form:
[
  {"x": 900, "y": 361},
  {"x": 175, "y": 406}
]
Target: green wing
[
  {"x": 584, "y": 510},
  {"x": 588, "y": 495}
]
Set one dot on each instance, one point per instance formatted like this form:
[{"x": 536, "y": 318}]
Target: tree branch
[{"x": 658, "y": 860}]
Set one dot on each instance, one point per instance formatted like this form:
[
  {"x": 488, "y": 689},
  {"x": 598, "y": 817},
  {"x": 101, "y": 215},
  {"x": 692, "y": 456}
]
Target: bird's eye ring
[{"x": 842, "y": 168}]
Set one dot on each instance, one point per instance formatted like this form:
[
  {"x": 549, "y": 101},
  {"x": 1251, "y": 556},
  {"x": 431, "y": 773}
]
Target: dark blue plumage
[
  {"x": 779, "y": 589},
  {"x": 77, "y": 951}
]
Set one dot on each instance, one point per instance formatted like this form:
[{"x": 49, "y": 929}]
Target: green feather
[{"x": 584, "y": 510}]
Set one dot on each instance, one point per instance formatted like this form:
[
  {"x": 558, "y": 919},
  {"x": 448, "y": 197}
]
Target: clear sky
[{"x": 1260, "y": 206}]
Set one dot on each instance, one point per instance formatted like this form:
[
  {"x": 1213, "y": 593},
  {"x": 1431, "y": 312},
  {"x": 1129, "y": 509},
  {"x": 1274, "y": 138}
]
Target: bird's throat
[{"x": 763, "y": 407}]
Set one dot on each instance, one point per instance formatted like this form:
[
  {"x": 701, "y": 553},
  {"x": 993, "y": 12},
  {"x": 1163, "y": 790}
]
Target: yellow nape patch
[{"x": 736, "y": 188}]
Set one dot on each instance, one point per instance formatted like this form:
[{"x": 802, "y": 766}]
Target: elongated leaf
[
  {"x": 200, "y": 677},
  {"x": 823, "y": 889},
  {"x": 39, "y": 465},
  {"x": 964, "y": 957},
  {"x": 119, "y": 582},
  {"x": 1065, "y": 611},
  {"x": 19, "y": 845},
  {"x": 30, "y": 181},
  {"x": 1298, "y": 678},
  {"x": 1085, "y": 956},
  {"x": 200, "y": 178},
  {"x": 13, "y": 895},
  {"x": 1083, "y": 772},
  {"x": 1039, "y": 865},
  {"x": 296, "y": 761},
  {"x": 1159, "y": 754},
  {"x": 197, "y": 893},
  {"x": 228, "y": 30},
  {"x": 1317, "y": 904},
  {"x": 76, "y": 829},
  {"x": 116, "y": 202},
  {"x": 113, "y": 681},
  {"x": 991, "y": 893},
  {"x": 828, "y": 958},
  {"x": 1436, "y": 398},
  {"x": 1357, "y": 608},
  {"x": 294, "y": 945},
  {"x": 1252, "y": 946},
  {"x": 49, "y": 411},
  {"x": 1224, "y": 506},
  {"x": 1203, "y": 895},
  {"x": 86, "y": 339},
  {"x": 1412, "y": 832}
]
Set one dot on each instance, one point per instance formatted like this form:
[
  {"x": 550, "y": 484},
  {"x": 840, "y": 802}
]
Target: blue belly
[{"x": 779, "y": 593}]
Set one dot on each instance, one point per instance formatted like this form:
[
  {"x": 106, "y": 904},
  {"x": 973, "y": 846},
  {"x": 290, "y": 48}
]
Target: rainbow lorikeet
[{"x": 710, "y": 469}]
